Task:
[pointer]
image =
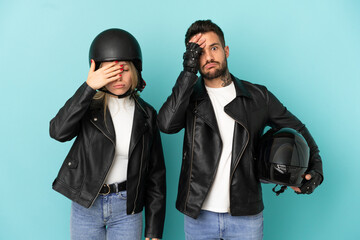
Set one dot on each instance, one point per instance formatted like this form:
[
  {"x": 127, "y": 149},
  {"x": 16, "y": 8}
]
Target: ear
[{"x": 227, "y": 51}]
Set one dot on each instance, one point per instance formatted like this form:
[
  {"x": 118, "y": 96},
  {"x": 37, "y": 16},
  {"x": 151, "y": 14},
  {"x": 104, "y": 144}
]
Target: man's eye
[{"x": 213, "y": 48}]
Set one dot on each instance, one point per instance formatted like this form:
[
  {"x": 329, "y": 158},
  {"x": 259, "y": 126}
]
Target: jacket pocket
[{"x": 71, "y": 174}]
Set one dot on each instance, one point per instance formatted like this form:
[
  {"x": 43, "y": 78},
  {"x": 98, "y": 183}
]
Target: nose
[{"x": 207, "y": 55}]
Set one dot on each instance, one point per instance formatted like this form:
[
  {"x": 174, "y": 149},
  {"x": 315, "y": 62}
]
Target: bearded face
[
  {"x": 217, "y": 72},
  {"x": 213, "y": 60}
]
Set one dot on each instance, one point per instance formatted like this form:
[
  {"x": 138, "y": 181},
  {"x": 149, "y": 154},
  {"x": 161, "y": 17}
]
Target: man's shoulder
[{"x": 253, "y": 89}]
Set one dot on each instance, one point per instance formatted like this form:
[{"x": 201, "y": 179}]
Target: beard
[{"x": 217, "y": 73}]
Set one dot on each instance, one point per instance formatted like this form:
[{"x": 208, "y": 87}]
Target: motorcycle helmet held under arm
[{"x": 282, "y": 157}]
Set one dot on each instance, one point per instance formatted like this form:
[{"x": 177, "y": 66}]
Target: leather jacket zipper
[
  {"x": 112, "y": 161},
  {"x": 141, "y": 162},
  {"x": 232, "y": 174},
  {"x": 192, "y": 158}
]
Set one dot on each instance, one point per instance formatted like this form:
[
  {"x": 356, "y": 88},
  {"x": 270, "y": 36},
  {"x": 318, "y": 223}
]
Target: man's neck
[{"x": 219, "y": 82}]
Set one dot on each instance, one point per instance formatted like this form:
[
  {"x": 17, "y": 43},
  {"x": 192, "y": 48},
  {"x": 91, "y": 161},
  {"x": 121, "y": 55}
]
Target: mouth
[
  {"x": 210, "y": 65},
  {"x": 119, "y": 86}
]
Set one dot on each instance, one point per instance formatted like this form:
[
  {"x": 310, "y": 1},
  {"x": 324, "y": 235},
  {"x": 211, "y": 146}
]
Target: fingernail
[
  {"x": 120, "y": 75},
  {"x": 121, "y": 69},
  {"x": 121, "y": 65}
]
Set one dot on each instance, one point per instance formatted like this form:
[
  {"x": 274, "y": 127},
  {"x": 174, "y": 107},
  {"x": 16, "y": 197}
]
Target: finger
[
  {"x": 195, "y": 38},
  {"x": 113, "y": 68},
  {"x": 201, "y": 41},
  {"x": 296, "y": 189},
  {"x": 92, "y": 66},
  {"x": 147, "y": 238},
  {"x": 114, "y": 73},
  {"x": 108, "y": 66},
  {"x": 112, "y": 79}
]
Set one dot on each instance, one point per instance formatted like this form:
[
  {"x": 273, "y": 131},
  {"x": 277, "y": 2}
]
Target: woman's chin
[{"x": 119, "y": 91}]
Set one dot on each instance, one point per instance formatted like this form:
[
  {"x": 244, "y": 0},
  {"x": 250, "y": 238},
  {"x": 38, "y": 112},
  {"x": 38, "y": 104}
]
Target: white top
[
  {"x": 122, "y": 115},
  {"x": 218, "y": 199}
]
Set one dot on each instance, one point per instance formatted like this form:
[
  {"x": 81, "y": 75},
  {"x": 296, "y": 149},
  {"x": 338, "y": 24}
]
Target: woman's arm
[{"x": 155, "y": 199}]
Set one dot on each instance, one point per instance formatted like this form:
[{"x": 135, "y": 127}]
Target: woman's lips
[{"x": 117, "y": 86}]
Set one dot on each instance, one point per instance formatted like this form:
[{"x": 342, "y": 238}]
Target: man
[{"x": 224, "y": 118}]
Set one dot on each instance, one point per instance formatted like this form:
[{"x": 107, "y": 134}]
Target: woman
[{"x": 115, "y": 166}]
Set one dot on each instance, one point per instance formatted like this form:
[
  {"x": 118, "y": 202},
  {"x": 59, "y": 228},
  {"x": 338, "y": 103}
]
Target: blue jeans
[
  {"x": 106, "y": 219},
  {"x": 211, "y": 226}
]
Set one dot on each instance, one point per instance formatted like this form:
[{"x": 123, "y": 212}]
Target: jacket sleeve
[
  {"x": 155, "y": 200},
  {"x": 66, "y": 124},
  {"x": 171, "y": 118},
  {"x": 280, "y": 117}
]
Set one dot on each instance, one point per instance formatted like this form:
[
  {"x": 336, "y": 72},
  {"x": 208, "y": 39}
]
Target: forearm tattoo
[{"x": 226, "y": 78}]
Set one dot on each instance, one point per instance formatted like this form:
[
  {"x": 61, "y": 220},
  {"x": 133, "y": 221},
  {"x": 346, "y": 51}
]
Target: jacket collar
[
  {"x": 102, "y": 120},
  {"x": 205, "y": 110},
  {"x": 140, "y": 124},
  {"x": 235, "y": 109}
]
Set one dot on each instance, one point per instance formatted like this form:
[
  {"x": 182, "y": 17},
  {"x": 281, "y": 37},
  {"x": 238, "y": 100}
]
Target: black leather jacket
[
  {"x": 91, "y": 155},
  {"x": 254, "y": 107}
]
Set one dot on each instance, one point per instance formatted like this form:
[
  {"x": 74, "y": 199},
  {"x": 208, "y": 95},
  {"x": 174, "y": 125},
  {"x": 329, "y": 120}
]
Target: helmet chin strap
[
  {"x": 128, "y": 93},
  {"x": 278, "y": 192}
]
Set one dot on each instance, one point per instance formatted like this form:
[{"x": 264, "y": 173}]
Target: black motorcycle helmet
[
  {"x": 117, "y": 45},
  {"x": 283, "y": 157}
]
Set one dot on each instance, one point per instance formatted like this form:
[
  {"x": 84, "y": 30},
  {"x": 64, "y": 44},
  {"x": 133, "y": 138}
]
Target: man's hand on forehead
[{"x": 198, "y": 39}]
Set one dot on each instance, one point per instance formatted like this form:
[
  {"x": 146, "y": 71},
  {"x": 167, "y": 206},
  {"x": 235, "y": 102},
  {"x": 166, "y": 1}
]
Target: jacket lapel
[
  {"x": 140, "y": 124},
  {"x": 236, "y": 110},
  {"x": 203, "y": 106},
  {"x": 105, "y": 125}
]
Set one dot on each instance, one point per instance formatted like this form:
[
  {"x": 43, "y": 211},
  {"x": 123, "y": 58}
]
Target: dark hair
[{"x": 203, "y": 26}]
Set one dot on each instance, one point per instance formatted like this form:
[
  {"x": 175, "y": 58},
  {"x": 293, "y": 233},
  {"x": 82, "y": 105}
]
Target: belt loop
[{"x": 117, "y": 187}]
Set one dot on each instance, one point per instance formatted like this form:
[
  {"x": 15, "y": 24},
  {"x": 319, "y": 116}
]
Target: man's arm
[
  {"x": 171, "y": 118},
  {"x": 280, "y": 117}
]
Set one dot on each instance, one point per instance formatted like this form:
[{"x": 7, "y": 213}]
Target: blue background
[{"x": 306, "y": 52}]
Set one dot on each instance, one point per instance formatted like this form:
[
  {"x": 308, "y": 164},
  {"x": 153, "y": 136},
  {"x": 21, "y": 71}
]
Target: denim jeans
[
  {"x": 105, "y": 219},
  {"x": 211, "y": 226}
]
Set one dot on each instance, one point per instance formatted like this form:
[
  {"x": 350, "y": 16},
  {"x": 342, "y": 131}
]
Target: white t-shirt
[
  {"x": 122, "y": 115},
  {"x": 218, "y": 199}
]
